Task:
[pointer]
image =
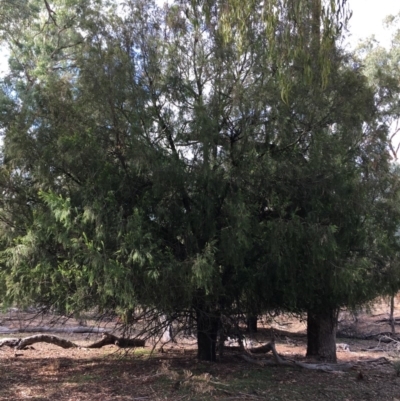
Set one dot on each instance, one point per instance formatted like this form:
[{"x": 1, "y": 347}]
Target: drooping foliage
[{"x": 154, "y": 159}]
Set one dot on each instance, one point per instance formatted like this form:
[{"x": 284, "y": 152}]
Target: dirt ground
[{"x": 47, "y": 372}]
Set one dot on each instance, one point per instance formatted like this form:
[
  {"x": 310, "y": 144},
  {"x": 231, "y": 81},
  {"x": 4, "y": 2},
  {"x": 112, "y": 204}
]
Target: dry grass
[
  {"x": 49, "y": 373},
  {"x": 174, "y": 376}
]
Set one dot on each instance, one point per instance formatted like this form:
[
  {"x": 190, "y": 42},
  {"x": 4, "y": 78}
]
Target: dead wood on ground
[
  {"x": 45, "y": 329},
  {"x": 374, "y": 336},
  {"x": 324, "y": 367},
  {"x": 21, "y": 343},
  {"x": 263, "y": 349},
  {"x": 387, "y": 320},
  {"x": 119, "y": 341}
]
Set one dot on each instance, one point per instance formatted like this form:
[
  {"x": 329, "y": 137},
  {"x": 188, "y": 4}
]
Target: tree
[
  {"x": 323, "y": 208},
  {"x": 381, "y": 67},
  {"x": 119, "y": 215},
  {"x": 152, "y": 160}
]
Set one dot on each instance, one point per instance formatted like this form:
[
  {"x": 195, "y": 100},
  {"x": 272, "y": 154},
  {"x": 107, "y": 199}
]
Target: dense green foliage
[{"x": 152, "y": 158}]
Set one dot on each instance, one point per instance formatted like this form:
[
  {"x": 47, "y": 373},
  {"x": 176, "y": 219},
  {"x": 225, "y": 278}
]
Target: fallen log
[
  {"x": 10, "y": 342},
  {"x": 21, "y": 343},
  {"x": 388, "y": 320},
  {"x": 374, "y": 336},
  {"x": 45, "y": 338},
  {"x": 263, "y": 349},
  {"x": 323, "y": 367},
  {"x": 385, "y": 338},
  {"x": 46, "y": 329},
  {"x": 118, "y": 341}
]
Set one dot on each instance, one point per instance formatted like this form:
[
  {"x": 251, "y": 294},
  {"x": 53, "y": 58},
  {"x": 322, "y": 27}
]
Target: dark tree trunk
[
  {"x": 252, "y": 324},
  {"x": 391, "y": 318},
  {"x": 321, "y": 335},
  {"x": 207, "y": 332},
  {"x": 312, "y": 335}
]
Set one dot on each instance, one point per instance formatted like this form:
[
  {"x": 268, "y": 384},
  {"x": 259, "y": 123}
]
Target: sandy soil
[{"x": 48, "y": 372}]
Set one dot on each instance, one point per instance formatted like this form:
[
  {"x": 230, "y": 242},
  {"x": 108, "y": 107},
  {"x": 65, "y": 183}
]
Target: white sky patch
[
  {"x": 367, "y": 20},
  {"x": 4, "y": 54}
]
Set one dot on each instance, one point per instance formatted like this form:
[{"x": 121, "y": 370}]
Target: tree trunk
[
  {"x": 252, "y": 323},
  {"x": 391, "y": 318},
  {"x": 321, "y": 335},
  {"x": 207, "y": 332},
  {"x": 312, "y": 335}
]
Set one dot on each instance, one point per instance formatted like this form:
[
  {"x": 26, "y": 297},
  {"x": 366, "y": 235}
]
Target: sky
[{"x": 366, "y": 21}]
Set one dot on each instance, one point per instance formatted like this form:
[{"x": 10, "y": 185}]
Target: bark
[
  {"x": 127, "y": 317},
  {"x": 252, "y": 324},
  {"x": 321, "y": 335},
  {"x": 312, "y": 335},
  {"x": 118, "y": 341},
  {"x": 207, "y": 332},
  {"x": 21, "y": 343},
  {"x": 324, "y": 367},
  {"x": 25, "y": 342},
  {"x": 263, "y": 349},
  {"x": 391, "y": 318}
]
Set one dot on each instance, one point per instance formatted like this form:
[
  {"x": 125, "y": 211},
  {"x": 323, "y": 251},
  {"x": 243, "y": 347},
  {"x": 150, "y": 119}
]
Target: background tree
[{"x": 381, "y": 67}]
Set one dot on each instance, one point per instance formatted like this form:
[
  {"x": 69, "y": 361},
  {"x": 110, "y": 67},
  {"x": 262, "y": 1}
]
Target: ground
[{"x": 47, "y": 372}]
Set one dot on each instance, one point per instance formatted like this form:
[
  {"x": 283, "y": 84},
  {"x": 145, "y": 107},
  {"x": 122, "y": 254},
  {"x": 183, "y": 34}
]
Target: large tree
[
  {"x": 153, "y": 159},
  {"x": 321, "y": 206}
]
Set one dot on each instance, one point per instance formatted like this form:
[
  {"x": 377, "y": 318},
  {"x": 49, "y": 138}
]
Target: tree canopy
[{"x": 154, "y": 158}]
